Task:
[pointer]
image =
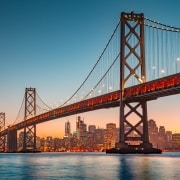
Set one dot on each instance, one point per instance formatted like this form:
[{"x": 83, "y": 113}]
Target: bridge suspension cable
[
  {"x": 102, "y": 77},
  {"x": 162, "y": 44},
  {"x": 20, "y": 114},
  {"x": 162, "y": 48},
  {"x": 107, "y": 51},
  {"x": 162, "y": 26},
  {"x": 41, "y": 107}
]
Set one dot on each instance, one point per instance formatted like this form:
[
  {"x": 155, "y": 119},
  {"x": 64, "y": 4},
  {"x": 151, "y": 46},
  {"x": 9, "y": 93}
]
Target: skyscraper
[
  {"x": 153, "y": 133},
  {"x": 92, "y": 129},
  {"x": 81, "y": 128},
  {"x": 162, "y": 138},
  {"x": 110, "y": 136},
  {"x": 67, "y": 129}
]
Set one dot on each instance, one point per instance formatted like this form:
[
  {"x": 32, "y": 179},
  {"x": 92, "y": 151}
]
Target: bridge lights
[
  {"x": 110, "y": 88},
  {"x": 91, "y": 92},
  {"x": 162, "y": 72},
  {"x": 138, "y": 78}
]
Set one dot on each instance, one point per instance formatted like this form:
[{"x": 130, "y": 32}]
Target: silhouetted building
[
  {"x": 92, "y": 129},
  {"x": 81, "y": 127},
  {"x": 67, "y": 129},
  {"x": 153, "y": 133},
  {"x": 168, "y": 140},
  {"x": 162, "y": 138},
  {"x": 99, "y": 137},
  {"x": 176, "y": 141},
  {"x": 110, "y": 136}
]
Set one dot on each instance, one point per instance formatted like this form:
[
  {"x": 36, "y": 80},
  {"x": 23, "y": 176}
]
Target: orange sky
[
  {"x": 165, "y": 114},
  {"x": 44, "y": 47}
]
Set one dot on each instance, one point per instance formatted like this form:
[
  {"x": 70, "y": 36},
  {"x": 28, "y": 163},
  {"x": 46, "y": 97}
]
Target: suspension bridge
[{"x": 140, "y": 63}]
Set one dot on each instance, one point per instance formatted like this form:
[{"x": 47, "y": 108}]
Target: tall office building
[
  {"x": 168, "y": 140},
  {"x": 92, "y": 129},
  {"x": 110, "y": 136},
  {"x": 162, "y": 138},
  {"x": 176, "y": 141},
  {"x": 81, "y": 128},
  {"x": 67, "y": 129},
  {"x": 153, "y": 133}
]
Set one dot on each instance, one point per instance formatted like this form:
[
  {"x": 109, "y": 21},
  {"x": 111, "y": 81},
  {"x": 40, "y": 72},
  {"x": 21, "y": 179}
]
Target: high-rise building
[
  {"x": 92, "y": 129},
  {"x": 162, "y": 138},
  {"x": 67, "y": 129},
  {"x": 81, "y": 128},
  {"x": 176, "y": 141},
  {"x": 153, "y": 133},
  {"x": 169, "y": 140},
  {"x": 99, "y": 136},
  {"x": 110, "y": 136}
]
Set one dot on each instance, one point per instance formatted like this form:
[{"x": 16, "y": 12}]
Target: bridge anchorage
[{"x": 132, "y": 25}]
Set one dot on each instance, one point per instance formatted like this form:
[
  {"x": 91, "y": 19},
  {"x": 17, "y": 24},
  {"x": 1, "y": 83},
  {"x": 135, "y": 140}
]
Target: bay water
[{"x": 90, "y": 166}]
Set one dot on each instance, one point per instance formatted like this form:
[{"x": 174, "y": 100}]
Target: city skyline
[
  {"x": 73, "y": 127},
  {"x": 91, "y": 138},
  {"x": 73, "y": 124},
  {"x": 46, "y": 45}
]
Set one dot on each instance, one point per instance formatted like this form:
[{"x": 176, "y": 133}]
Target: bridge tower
[
  {"x": 29, "y": 141},
  {"x": 2, "y": 127},
  {"x": 132, "y": 68}
]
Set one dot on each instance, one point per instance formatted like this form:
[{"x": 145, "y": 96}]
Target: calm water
[{"x": 89, "y": 166}]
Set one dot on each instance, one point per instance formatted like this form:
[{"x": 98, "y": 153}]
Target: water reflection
[
  {"x": 89, "y": 166},
  {"x": 125, "y": 171}
]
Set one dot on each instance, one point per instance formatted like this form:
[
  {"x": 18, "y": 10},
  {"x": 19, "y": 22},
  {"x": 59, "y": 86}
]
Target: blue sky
[{"x": 53, "y": 44}]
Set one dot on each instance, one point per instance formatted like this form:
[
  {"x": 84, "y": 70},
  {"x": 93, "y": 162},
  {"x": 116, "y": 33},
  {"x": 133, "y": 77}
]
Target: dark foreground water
[{"x": 89, "y": 166}]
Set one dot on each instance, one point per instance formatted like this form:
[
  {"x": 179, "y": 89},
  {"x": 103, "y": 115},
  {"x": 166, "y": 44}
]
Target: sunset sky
[{"x": 52, "y": 45}]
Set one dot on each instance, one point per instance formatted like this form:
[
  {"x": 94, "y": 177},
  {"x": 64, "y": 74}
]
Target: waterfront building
[
  {"x": 110, "y": 136},
  {"x": 176, "y": 142},
  {"x": 162, "y": 138},
  {"x": 168, "y": 140},
  {"x": 92, "y": 129},
  {"x": 81, "y": 128},
  {"x": 153, "y": 133},
  {"x": 57, "y": 144},
  {"x": 99, "y": 138}
]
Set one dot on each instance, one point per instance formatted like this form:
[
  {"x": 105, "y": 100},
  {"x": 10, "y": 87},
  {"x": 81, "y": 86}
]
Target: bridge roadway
[{"x": 151, "y": 90}]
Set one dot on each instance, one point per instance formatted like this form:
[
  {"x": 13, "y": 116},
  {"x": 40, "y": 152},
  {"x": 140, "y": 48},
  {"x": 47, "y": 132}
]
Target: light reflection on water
[{"x": 90, "y": 166}]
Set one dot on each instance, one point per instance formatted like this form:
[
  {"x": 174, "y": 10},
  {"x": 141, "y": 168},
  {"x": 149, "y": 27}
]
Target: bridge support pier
[
  {"x": 134, "y": 136},
  {"x": 2, "y": 127},
  {"x": 12, "y": 140},
  {"x": 29, "y": 141}
]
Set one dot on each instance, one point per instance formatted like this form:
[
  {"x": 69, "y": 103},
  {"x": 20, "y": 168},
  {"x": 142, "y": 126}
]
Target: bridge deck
[{"x": 165, "y": 86}]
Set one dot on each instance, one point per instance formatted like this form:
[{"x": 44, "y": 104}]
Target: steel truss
[
  {"x": 29, "y": 141},
  {"x": 2, "y": 127},
  {"x": 132, "y": 66}
]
